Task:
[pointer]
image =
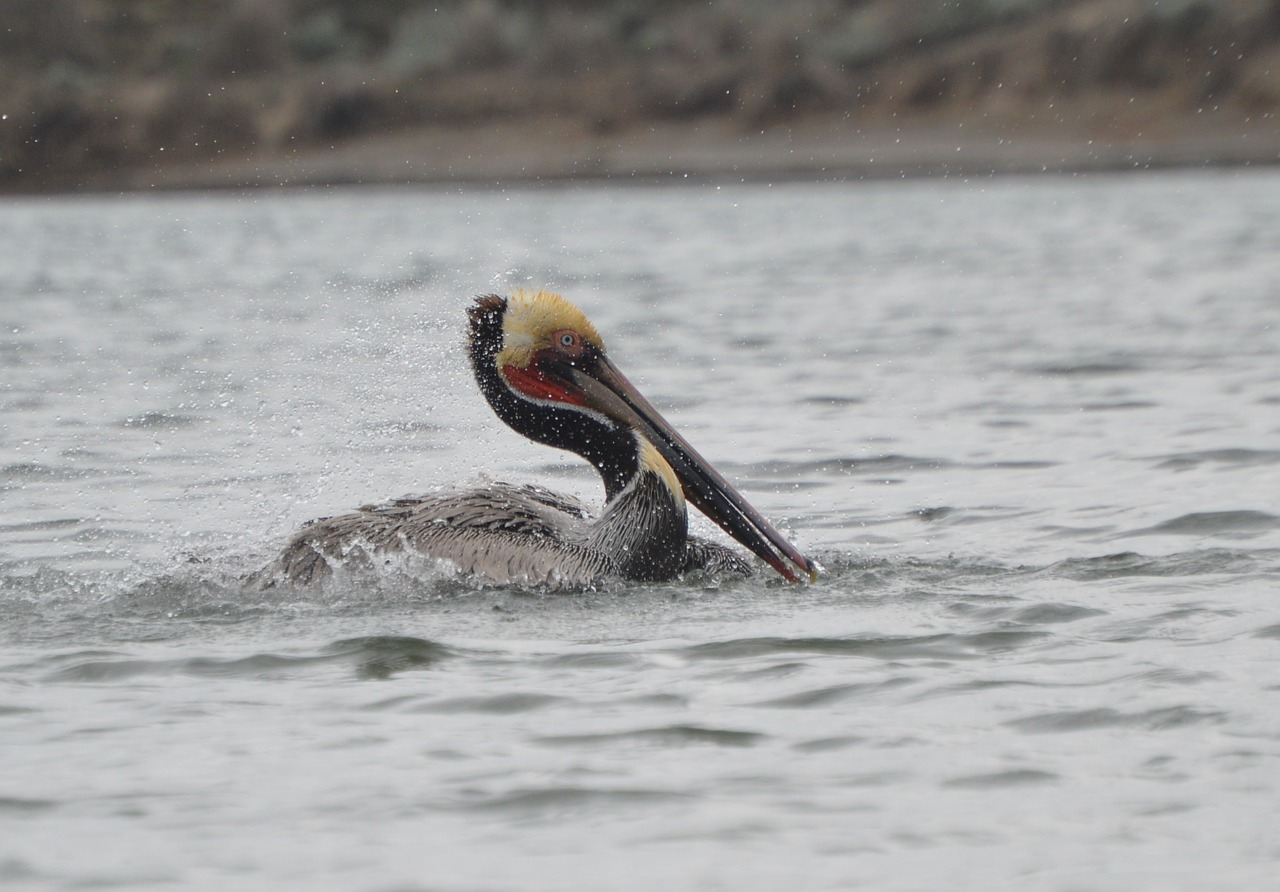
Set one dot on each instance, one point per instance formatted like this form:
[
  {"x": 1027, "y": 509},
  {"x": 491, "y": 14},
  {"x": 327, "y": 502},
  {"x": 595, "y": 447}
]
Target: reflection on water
[{"x": 1028, "y": 426}]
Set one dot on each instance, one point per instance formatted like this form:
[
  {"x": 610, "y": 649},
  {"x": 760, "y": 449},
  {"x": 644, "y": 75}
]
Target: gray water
[{"x": 1031, "y": 427}]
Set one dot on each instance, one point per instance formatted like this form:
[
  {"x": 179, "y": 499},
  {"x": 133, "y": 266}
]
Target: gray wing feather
[
  {"x": 503, "y": 532},
  {"x": 714, "y": 558}
]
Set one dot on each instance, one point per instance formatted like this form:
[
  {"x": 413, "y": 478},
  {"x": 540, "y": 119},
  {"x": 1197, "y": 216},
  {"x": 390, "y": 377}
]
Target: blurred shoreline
[
  {"x": 123, "y": 95},
  {"x": 552, "y": 152}
]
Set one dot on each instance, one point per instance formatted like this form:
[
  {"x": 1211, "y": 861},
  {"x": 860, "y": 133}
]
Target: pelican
[{"x": 543, "y": 369}]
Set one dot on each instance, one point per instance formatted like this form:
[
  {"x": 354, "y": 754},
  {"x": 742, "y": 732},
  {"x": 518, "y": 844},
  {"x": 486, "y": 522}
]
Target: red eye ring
[{"x": 567, "y": 341}]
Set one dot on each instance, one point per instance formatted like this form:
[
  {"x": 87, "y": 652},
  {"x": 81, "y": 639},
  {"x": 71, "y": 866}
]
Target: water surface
[{"x": 1031, "y": 427}]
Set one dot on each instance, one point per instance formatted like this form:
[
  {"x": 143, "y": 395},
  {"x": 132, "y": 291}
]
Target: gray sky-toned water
[{"x": 1031, "y": 427}]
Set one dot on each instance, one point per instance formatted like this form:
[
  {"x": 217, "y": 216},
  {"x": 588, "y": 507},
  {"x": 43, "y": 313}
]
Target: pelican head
[{"x": 543, "y": 368}]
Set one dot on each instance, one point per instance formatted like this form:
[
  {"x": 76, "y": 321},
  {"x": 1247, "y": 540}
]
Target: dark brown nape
[
  {"x": 486, "y": 304},
  {"x": 485, "y": 337}
]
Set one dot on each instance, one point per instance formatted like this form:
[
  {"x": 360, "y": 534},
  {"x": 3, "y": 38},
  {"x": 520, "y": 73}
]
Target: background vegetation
[{"x": 89, "y": 88}]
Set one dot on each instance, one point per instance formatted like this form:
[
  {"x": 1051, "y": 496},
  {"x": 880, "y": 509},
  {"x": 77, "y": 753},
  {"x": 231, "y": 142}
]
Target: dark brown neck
[{"x": 609, "y": 446}]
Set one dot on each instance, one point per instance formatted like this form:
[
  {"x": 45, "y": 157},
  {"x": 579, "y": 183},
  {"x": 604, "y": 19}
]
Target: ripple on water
[
  {"x": 1051, "y": 613},
  {"x": 833, "y": 400},
  {"x": 829, "y": 744},
  {"x": 1186, "y": 563},
  {"x": 382, "y": 656},
  {"x": 944, "y": 646},
  {"x": 159, "y": 420},
  {"x": 665, "y": 735},
  {"x": 28, "y": 472},
  {"x": 535, "y": 802},
  {"x": 596, "y": 659},
  {"x": 841, "y": 466},
  {"x": 1180, "y": 461},
  {"x": 41, "y": 526},
  {"x": 1242, "y": 523},
  {"x": 376, "y": 657},
  {"x": 121, "y": 667},
  {"x": 1100, "y": 367},
  {"x": 1018, "y": 777},
  {"x": 506, "y": 703},
  {"x": 826, "y": 696},
  {"x": 1046, "y": 613},
  {"x": 1106, "y": 717},
  {"x": 19, "y": 806}
]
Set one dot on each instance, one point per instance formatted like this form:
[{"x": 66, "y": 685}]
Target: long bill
[{"x": 607, "y": 390}]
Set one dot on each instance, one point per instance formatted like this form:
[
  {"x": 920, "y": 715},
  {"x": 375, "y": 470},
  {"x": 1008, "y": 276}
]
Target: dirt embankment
[{"x": 133, "y": 93}]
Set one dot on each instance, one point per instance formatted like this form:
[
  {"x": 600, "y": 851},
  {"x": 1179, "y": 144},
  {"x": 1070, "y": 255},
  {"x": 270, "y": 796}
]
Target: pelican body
[{"x": 542, "y": 367}]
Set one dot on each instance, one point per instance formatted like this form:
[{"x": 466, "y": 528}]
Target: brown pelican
[{"x": 542, "y": 366}]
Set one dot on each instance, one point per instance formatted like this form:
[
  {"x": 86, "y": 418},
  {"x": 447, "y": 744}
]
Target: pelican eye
[{"x": 568, "y": 341}]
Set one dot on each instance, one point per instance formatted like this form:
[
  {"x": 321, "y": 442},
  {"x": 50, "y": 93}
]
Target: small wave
[
  {"x": 833, "y": 400},
  {"x": 1053, "y": 613},
  {"x": 506, "y": 703},
  {"x": 1118, "y": 406},
  {"x": 1013, "y": 465},
  {"x": 1179, "y": 624},
  {"x": 382, "y": 656},
  {"x": 1018, "y": 777},
  {"x": 1105, "y": 717},
  {"x": 1174, "y": 676},
  {"x": 1241, "y": 458},
  {"x": 538, "y": 801},
  {"x": 19, "y": 806},
  {"x": 829, "y": 744},
  {"x": 1131, "y": 563},
  {"x": 1211, "y": 523},
  {"x": 833, "y": 694},
  {"x": 666, "y": 735},
  {"x": 842, "y": 466},
  {"x": 375, "y": 657},
  {"x": 118, "y": 667},
  {"x": 929, "y": 515},
  {"x": 892, "y": 467},
  {"x": 948, "y": 516},
  {"x": 1089, "y": 368},
  {"x": 887, "y": 571},
  {"x": 159, "y": 420},
  {"x": 596, "y": 660},
  {"x": 936, "y": 647},
  {"x": 21, "y": 472},
  {"x": 41, "y": 526}
]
